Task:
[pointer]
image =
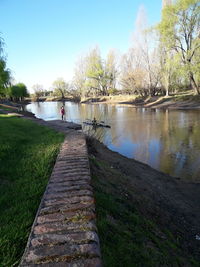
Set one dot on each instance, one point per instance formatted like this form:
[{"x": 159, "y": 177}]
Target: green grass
[
  {"x": 7, "y": 115},
  {"x": 27, "y": 156},
  {"x": 127, "y": 237}
]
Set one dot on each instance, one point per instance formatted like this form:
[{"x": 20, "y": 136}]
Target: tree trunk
[
  {"x": 62, "y": 93},
  {"x": 166, "y": 83},
  {"x": 194, "y": 84}
]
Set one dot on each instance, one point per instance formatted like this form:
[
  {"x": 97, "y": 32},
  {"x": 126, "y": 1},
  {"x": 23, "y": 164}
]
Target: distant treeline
[{"x": 163, "y": 59}]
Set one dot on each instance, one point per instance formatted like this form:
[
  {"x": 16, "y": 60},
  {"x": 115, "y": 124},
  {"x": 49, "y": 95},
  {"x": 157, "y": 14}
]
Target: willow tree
[
  {"x": 101, "y": 74},
  {"x": 111, "y": 70},
  {"x": 5, "y": 75},
  {"x": 179, "y": 31},
  {"x": 17, "y": 92},
  {"x": 98, "y": 74},
  {"x": 95, "y": 72}
]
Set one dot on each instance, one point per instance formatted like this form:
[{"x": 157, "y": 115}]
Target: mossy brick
[
  {"x": 68, "y": 207},
  {"x": 57, "y": 227},
  {"x": 75, "y": 215},
  {"x": 69, "y": 189},
  {"x": 70, "y": 238},
  {"x": 77, "y": 191},
  {"x": 70, "y": 200}
]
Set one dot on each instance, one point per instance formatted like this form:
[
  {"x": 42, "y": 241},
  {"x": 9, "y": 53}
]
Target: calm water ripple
[{"x": 167, "y": 140}]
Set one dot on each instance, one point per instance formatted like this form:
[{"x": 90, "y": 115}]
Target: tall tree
[
  {"x": 95, "y": 72},
  {"x": 1, "y": 47},
  {"x": 101, "y": 74},
  {"x": 60, "y": 87},
  {"x": 132, "y": 76},
  {"x": 111, "y": 70},
  {"x": 179, "y": 31},
  {"x": 23, "y": 92},
  {"x": 79, "y": 79},
  {"x": 17, "y": 92},
  {"x": 38, "y": 90},
  {"x": 5, "y": 75},
  {"x": 95, "y": 76},
  {"x": 143, "y": 48}
]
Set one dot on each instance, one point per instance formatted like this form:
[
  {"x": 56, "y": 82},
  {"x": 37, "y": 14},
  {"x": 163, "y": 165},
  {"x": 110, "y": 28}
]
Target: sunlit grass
[
  {"x": 27, "y": 155},
  {"x": 7, "y": 115}
]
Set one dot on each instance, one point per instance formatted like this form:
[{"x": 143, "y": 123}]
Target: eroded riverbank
[
  {"x": 182, "y": 101},
  {"x": 171, "y": 205}
]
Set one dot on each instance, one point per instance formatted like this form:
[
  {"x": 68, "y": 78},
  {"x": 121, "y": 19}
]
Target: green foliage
[
  {"x": 95, "y": 66},
  {"x": 5, "y": 75},
  {"x": 1, "y": 46},
  {"x": 17, "y": 91},
  {"x": 113, "y": 91},
  {"x": 60, "y": 88},
  {"x": 179, "y": 31},
  {"x": 23, "y": 89},
  {"x": 95, "y": 76},
  {"x": 27, "y": 155},
  {"x": 95, "y": 72}
]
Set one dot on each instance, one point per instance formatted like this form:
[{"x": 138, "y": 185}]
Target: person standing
[{"x": 62, "y": 112}]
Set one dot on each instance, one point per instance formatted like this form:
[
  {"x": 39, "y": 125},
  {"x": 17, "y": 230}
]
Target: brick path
[{"x": 64, "y": 232}]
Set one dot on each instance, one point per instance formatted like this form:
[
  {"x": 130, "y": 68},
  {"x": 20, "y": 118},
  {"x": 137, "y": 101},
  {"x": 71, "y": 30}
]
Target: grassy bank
[
  {"x": 27, "y": 156},
  {"x": 129, "y": 231}
]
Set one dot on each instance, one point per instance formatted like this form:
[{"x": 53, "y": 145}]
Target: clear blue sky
[{"x": 45, "y": 37}]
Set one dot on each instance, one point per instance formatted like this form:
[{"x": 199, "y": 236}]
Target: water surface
[{"x": 167, "y": 140}]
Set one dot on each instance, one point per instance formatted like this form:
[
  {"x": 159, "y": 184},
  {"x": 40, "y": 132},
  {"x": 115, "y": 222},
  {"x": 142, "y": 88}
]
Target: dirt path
[{"x": 170, "y": 202}]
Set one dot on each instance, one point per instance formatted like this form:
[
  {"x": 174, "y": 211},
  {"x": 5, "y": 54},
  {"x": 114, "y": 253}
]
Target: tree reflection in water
[{"x": 167, "y": 140}]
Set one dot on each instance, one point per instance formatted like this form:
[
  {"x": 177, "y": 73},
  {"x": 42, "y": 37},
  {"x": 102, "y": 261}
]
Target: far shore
[
  {"x": 185, "y": 101},
  {"x": 176, "y": 101},
  {"x": 179, "y": 101}
]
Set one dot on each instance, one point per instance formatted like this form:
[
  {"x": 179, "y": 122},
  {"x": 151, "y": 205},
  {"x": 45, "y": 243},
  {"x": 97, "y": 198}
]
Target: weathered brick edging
[{"x": 64, "y": 232}]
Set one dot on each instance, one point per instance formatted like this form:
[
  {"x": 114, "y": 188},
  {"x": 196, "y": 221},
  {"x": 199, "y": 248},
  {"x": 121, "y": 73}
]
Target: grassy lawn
[
  {"x": 27, "y": 156},
  {"x": 128, "y": 238}
]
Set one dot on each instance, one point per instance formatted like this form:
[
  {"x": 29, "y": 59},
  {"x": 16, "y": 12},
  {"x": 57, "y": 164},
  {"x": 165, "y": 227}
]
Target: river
[{"x": 167, "y": 140}]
